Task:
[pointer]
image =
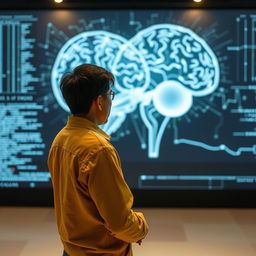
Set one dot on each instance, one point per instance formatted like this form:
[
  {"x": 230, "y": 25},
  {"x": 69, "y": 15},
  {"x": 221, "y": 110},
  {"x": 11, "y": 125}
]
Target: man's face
[{"x": 106, "y": 104}]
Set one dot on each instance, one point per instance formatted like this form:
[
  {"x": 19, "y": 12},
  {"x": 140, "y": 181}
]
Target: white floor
[{"x": 175, "y": 232}]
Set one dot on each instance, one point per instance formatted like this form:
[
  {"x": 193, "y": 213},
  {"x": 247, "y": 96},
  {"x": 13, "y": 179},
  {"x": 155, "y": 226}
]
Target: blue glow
[{"x": 171, "y": 99}]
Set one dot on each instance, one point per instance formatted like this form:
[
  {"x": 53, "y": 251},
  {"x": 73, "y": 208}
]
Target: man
[{"x": 92, "y": 200}]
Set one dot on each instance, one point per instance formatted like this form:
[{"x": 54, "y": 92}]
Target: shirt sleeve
[{"x": 114, "y": 199}]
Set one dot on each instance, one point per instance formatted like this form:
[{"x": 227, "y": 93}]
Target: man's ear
[{"x": 99, "y": 102}]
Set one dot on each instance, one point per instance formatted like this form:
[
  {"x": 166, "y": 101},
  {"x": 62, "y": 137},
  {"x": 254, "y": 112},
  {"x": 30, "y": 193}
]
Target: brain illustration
[
  {"x": 130, "y": 69},
  {"x": 94, "y": 47},
  {"x": 158, "y": 72},
  {"x": 174, "y": 52}
]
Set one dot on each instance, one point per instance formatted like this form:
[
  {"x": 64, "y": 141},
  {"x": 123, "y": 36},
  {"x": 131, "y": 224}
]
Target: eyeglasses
[{"x": 112, "y": 94}]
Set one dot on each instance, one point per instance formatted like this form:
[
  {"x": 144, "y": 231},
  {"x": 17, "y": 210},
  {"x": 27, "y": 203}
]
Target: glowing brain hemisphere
[
  {"x": 94, "y": 47},
  {"x": 174, "y": 52}
]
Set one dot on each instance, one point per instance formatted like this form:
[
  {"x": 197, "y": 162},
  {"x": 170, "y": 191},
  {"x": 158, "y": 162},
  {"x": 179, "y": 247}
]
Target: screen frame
[{"x": 145, "y": 197}]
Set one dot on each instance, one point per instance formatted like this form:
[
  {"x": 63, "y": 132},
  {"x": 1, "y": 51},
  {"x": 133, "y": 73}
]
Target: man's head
[{"x": 87, "y": 91}]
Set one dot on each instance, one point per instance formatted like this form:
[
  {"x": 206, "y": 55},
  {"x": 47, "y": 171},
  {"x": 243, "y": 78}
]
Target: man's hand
[{"x": 139, "y": 242}]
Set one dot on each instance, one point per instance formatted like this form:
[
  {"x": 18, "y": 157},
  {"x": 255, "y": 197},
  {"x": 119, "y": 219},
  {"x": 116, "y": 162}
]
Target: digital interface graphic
[{"x": 184, "y": 115}]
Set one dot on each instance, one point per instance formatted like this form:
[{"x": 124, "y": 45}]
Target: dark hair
[{"x": 82, "y": 86}]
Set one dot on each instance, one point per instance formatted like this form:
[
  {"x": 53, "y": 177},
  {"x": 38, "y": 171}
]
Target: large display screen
[{"x": 184, "y": 116}]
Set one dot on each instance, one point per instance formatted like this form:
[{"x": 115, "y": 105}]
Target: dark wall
[{"x": 110, "y": 4}]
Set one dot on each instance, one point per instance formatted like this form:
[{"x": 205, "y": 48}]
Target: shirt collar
[{"x": 75, "y": 121}]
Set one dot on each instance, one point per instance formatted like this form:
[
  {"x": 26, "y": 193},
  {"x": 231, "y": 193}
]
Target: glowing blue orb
[{"x": 172, "y": 99}]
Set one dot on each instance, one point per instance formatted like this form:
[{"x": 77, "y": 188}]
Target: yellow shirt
[{"x": 92, "y": 200}]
